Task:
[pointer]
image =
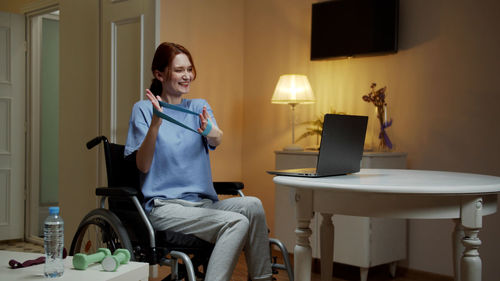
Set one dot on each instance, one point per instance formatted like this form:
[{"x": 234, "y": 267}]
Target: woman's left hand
[
  {"x": 204, "y": 118},
  {"x": 215, "y": 135}
]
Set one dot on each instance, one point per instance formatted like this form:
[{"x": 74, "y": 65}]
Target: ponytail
[{"x": 156, "y": 87}]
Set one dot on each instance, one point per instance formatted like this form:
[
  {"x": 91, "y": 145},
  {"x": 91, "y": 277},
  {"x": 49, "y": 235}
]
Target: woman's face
[{"x": 181, "y": 76}]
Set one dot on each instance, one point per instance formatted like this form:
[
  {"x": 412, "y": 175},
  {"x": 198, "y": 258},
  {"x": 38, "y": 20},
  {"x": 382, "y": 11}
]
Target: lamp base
[{"x": 293, "y": 147}]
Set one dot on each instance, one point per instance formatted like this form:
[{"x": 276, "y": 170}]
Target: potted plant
[{"x": 315, "y": 128}]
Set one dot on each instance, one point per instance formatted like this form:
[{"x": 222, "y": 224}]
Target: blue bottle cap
[{"x": 54, "y": 210}]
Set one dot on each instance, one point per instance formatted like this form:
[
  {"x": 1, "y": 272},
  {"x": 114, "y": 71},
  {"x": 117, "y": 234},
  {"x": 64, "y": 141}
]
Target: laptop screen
[{"x": 342, "y": 143}]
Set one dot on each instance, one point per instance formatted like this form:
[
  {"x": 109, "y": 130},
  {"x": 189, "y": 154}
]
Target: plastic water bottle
[{"x": 53, "y": 238}]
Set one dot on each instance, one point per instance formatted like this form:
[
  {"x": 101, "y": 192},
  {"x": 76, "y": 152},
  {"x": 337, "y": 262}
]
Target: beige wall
[
  {"x": 79, "y": 107},
  {"x": 80, "y": 89},
  {"x": 442, "y": 95},
  {"x": 212, "y": 32},
  {"x": 15, "y": 7}
]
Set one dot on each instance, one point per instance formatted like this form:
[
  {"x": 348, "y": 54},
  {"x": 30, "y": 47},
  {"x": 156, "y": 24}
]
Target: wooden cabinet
[{"x": 359, "y": 241}]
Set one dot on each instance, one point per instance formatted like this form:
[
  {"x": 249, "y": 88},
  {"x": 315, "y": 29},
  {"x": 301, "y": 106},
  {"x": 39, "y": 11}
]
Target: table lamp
[{"x": 293, "y": 89}]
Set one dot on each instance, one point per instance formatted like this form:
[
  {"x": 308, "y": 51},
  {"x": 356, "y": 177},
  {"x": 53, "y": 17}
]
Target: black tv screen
[{"x": 346, "y": 28}]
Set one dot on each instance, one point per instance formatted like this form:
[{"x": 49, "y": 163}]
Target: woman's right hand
[
  {"x": 144, "y": 156},
  {"x": 155, "y": 121}
]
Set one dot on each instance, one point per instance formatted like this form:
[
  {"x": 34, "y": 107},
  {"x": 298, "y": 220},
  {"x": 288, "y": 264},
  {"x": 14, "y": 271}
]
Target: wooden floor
[{"x": 341, "y": 273}]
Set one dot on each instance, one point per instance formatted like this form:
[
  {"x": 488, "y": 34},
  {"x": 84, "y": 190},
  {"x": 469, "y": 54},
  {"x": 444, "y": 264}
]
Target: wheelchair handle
[{"x": 95, "y": 141}]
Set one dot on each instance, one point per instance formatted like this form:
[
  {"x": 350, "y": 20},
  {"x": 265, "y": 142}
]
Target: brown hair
[{"x": 164, "y": 55}]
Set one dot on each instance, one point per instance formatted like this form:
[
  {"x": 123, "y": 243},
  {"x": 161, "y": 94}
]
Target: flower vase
[
  {"x": 385, "y": 143},
  {"x": 372, "y": 141}
]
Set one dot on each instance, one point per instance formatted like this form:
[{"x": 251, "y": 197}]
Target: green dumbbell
[
  {"x": 111, "y": 263},
  {"x": 82, "y": 261}
]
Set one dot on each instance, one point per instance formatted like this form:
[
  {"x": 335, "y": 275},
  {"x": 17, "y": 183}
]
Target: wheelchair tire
[{"x": 100, "y": 229}]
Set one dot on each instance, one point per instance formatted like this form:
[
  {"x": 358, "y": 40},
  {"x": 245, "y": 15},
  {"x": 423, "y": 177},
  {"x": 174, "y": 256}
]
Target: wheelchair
[{"x": 125, "y": 224}]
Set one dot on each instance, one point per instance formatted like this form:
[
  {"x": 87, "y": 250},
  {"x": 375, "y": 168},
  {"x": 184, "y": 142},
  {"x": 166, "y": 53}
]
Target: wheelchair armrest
[
  {"x": 116, "y": 191},
  {"x": 227, "y": 187}
]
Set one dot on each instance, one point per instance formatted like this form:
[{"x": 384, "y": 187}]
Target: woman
[{"x": 176, "y": 177}]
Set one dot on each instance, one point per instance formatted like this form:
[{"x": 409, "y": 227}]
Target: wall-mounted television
[{"x": 347, "y": 28}]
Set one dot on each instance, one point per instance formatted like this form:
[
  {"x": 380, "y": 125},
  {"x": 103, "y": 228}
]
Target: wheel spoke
[{"x": 100, "y": 229}]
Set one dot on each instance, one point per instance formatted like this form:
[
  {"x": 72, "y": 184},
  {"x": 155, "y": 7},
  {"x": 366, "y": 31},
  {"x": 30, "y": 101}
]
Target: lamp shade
[{"x": 293, "y": 89}]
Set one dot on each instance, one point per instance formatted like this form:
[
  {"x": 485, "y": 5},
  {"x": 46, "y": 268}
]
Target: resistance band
[
  {"x": 178, "y": 108},
  {"x": 16, "y": 264}
]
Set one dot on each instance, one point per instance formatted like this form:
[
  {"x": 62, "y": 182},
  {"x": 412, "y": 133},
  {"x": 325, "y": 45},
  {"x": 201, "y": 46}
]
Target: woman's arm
[
  {"x": 144, "y": 156},
  {"x": 216, "y": 137}
]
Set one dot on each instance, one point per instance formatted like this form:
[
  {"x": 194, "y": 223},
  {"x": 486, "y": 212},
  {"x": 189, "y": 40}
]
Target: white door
[
  {"x": 128, "y": 44},
  {"x": 12, "y": 126}
]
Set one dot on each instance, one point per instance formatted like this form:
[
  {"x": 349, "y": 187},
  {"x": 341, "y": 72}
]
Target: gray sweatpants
[{"x": 232, "y": 224}]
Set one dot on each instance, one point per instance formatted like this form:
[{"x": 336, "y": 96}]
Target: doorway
[{"x": 42, "y": 166}]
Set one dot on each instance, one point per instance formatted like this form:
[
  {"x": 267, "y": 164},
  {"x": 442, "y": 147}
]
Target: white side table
[
  {"x": 132, "y": 271},
  {"x": 359, "y": 241}
]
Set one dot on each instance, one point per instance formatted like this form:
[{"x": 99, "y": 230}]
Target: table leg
[
  {"x": 302, "y": 251},
  {"x": 471, "y": 218},
  {"x": 458, "y": 247},
  {"x": 363, "y": 273},
  {"x": 392, "y": 268},
  {"x": 327, "y": 234}
]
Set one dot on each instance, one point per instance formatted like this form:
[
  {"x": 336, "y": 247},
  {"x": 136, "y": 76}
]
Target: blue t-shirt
[{"x": 181, "y": 166}]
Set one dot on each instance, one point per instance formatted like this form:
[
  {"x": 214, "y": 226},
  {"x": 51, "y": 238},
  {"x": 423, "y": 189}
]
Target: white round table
[{"x": 409, "y": 194}]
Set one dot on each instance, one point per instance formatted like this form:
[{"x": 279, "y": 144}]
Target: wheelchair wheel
[{"x": 100, "y": 229}]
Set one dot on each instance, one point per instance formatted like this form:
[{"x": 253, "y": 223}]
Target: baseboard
[
  {"x": 349, "y": 272},
  {"x": 422, "y": 275},
  {"x": 380, "y": 272}
]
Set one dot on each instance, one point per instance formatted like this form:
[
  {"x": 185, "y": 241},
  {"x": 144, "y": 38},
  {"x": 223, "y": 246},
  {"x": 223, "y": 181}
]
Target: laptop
[{"x": 341, "y": 148}]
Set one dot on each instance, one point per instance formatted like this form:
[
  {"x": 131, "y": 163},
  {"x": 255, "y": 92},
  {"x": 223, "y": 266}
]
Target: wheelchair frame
[{"x": 105, "y": 218}]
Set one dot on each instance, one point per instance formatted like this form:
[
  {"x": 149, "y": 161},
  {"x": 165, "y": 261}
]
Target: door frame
[{"x": 32, "y": 163}]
